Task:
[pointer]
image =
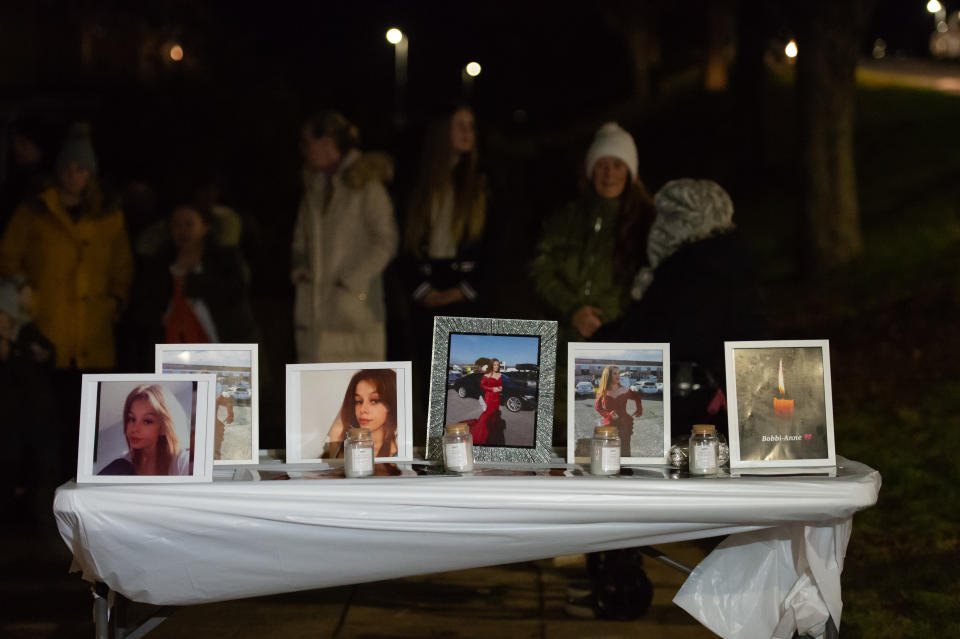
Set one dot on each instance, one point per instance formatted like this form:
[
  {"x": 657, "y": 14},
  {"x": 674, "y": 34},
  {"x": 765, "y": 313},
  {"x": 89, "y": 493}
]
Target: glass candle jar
[
  {"x": 358, "y": 453},
  {"x": 458, "y": 448},
  {"x": 605, "y": 451},
  {"x": 703, "y": 450}
]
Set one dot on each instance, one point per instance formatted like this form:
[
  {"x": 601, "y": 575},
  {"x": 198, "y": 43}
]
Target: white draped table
[{"x": 195, "y": 543}]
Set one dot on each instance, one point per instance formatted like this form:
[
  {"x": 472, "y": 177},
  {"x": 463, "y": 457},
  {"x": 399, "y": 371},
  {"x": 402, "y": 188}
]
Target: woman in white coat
[{"x": 343, "y": 239}]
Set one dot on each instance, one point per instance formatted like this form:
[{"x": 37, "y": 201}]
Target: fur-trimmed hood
[
  {"x": 360, "y": 169},
  {"x": 357, "y": 169}
]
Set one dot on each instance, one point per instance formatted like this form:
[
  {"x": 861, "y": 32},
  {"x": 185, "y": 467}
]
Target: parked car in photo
[
  {"x": 452, "y": 377},
  {"x": 518, "y": 393},
  {"x": 583, "y": 389},
  {"x": 649, "y": 387},
  {"x": 242, "y": 393}
]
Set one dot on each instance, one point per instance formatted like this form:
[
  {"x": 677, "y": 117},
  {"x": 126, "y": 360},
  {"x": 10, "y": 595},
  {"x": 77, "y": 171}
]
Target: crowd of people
[{"x": 89, "y": 284}]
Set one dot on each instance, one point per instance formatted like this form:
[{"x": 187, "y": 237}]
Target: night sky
[{"x": 252, "y": 70}]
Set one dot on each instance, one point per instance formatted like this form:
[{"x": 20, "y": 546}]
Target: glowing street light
[
  {"x": 394, "y": 36},
  {"x": 939, "y": 15},
  {"x": 400, "y": 42},
  {"x": 467, "y": 74},
  {"x": 176, "y": 53},
  {"x": 791, "y": 49}
]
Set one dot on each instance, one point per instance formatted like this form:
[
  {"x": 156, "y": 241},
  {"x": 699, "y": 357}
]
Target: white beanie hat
[{"x": 613, "y": 141}]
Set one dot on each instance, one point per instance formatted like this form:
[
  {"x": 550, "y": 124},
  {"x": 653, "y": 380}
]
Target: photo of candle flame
[
  {"x": 781, "y": 402},
  {"x": 780, "y": 379},
  {"x": 782, "y": 407}
]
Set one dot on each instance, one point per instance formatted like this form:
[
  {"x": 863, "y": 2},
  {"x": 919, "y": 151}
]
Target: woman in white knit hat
[{"x": 591, "y": 249}]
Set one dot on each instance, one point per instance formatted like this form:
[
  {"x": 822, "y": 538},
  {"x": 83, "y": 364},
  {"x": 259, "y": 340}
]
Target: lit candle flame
[{"x": 780, "y": 379}]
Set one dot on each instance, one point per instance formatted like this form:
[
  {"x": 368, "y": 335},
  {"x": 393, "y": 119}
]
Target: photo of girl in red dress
[
  {"x": 612, "y": 405},
  {"x": 492, "y": 386},
  {"x": 495, "y": 397}
]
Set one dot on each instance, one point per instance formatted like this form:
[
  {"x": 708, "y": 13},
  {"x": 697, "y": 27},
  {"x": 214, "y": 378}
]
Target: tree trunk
[
  {"x": 749, "y": 85},
  {"x": 828, "y": 35},
  {"x": 720, "y": 17},
  {"x": 636, "y": 23},
  {"x": 644, "y": 50}
]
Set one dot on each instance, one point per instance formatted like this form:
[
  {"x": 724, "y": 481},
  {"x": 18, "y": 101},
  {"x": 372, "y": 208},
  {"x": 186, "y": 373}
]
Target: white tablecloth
[{"x": 195, "y": 543}]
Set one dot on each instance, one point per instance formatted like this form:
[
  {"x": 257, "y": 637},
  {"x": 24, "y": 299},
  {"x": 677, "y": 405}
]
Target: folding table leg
[
  {"x": 650, "y": 551},
  {"x": 101, "y": 610},
  {"x": 110, "y": 621}
]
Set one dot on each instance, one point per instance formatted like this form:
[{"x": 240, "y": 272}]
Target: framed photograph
[
  {"x": 146, "y": 428},
  {"x": 780, "y": 404},
  {"x": 497, "y": 376},
  {"x": 236, "y": 432},
  {"x": 623, "y": 385},
  {"x": 325, "y": 400}
]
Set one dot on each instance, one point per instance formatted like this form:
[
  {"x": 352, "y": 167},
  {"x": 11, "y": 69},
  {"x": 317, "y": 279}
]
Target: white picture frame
[
  {"x": 643, "y": 363},
  {"x": 774, "y": 424},
  {"x": 316, "y": 394},
  {"x": 104, "y": 446},
  {"x": 230, "y": 363}
]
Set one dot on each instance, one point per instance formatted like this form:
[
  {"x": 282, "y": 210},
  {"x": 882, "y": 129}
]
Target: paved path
[{"x": 929, "y": 74}]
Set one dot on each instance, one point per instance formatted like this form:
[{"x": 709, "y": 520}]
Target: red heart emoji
[{"x": 807, "y": 436}]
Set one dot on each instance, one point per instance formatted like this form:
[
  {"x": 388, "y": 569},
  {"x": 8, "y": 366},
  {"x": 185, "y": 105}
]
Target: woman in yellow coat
[{"x": 73, "y": 249}]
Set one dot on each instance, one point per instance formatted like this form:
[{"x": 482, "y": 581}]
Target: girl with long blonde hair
[
  {"x": 612, "y": 405},
  {"x": 153, "y": 447}
]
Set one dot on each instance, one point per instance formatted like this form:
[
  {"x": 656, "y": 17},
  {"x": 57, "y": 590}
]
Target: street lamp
[
  {"x": 791, "y": 49},
  {"x": 399, "y": 41},
  {"x": 939, "y": 15},
  {"x": 470, "y": 71}
]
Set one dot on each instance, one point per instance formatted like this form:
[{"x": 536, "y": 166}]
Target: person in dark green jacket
[{"x": 592, "y": 248}]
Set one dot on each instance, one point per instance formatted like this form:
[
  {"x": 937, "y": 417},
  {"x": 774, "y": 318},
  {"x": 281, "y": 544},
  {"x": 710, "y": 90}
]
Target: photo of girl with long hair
[
  {"x": 151, "y": 417},
  {"x": 611, "y": 403},
  {"x": 506, "y": 387},
  {"x": 492, "y": 386},
  {"x": 626, "y": 385},
  {"x": 370, "y": 402}
]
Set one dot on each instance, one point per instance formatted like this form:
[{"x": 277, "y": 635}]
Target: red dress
[
  {"x": 481, "y": 430},
  {"x": 616, "y": 401}
]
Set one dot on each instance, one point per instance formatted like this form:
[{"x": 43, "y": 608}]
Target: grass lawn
[{"x": 892, "y": 320}]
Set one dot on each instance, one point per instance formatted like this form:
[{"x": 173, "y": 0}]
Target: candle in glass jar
[{"x": 358, "y": 453}]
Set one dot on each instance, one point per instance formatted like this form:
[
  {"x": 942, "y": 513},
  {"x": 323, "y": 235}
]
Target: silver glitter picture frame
[{"x": 447, "y": 388}]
